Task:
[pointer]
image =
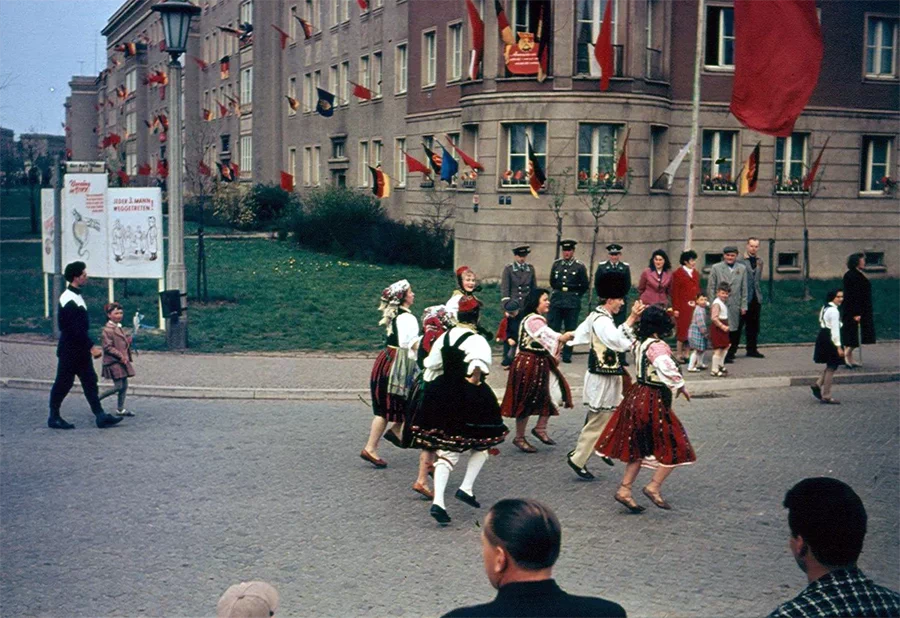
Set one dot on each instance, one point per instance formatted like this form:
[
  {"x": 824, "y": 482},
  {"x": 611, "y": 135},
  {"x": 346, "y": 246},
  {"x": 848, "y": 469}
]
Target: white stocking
[
  {"x": 476, "y": 462},
  {"x": 442, "y": 468}
]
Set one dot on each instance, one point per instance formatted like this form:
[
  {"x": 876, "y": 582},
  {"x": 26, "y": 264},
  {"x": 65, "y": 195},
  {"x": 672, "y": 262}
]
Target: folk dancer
[
  {"x": 394, "y": 369},
  {"x": 459, "y": 411},
  {"x": 605, "y": 377},
  {"x": 569, "y": 280},
  {"x": 614, "y": 263},
  {"x": 466, "y": 283}
]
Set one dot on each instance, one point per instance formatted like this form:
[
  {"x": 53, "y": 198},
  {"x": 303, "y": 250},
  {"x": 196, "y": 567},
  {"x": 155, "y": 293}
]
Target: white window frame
[
  {"x": 363, "y": 163},
  {"x": 246, "y": 156},
  {"x": 309, "y": 10},
  {"x": 247, "y": 86},
  {"x": 317, "y": 158},
  {"x": 377, "y": 74},
  {"x": 131, "y": 82},
  {"x": 715, "y": 152},
  {"x": 400, "y": 171},
  {"x": 429, "y": 58},
  {"x": 598, "y": 158},
  {"x": 292, "y": 22},
  {"x": 292, "y": 163},
  {"x": 307, "y": 92},
  {"x": 880, "y": 24},
  {"x": 540, "y": 154},
  {"x": 401, "y": 68},
  {"x": 722, "y": 39},
  {"x": 246, "y": 12},
  {"x": 131, "y": 163},
  {"x": 307, "y": 166},
  {"x": 292, "y": 92},
  {"x": 335, "y": 13},
  {"x": 338, "y": 142},
  {"x": 377, "y": 152},
  {"x": 130, "y": 125},
  {"x": 868, "y": 144},
  {"x": 362, "y": 77},
  {"x": 597, "y": 8},
  {"x": 455, "y": 51},
  {"x": 332, "y": 78},
  {"x": 345, "y": 11},
  {"x": 343, "y": 77},
  {"x": 789, "y": 147}
]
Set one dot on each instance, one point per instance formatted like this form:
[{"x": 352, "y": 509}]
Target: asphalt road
[{"x": 158, "y": 516}]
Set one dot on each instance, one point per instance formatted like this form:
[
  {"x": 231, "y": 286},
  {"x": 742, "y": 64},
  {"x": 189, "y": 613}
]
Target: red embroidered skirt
[
  {"x": 391, "y": 407},
  {"x": 528, "y": 387},
  {"x": 644, "y": 425}
]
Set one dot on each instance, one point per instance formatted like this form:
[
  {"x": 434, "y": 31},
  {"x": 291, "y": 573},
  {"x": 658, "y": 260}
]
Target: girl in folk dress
[
  {"x": 395, "y": 367},
  {"x": 685, "y": 287},
  {"x": 828, "y": 351},
  {"x": 719, "y": 336},
  {"x": 644, "y": 425},
  {"x": 535, "y": 381},
  {"x": 698, "y": 334},
  {"x": 116, "y": 356}
]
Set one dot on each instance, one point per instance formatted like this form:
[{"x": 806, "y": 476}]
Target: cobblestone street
[{"x": 159, "y": 515}]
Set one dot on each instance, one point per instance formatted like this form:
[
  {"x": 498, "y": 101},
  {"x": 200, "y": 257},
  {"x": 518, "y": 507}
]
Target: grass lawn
[{"x": 271, "y": 296}]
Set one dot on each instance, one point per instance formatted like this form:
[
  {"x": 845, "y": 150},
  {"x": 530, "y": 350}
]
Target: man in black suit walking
[
  {"x": 520, "y": 543},
  {"x": 75, "y": 352}
]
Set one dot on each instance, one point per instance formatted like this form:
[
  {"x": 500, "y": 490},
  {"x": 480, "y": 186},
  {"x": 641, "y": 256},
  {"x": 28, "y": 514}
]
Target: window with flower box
[
  {"x": 717, "y": 164},
  {"x": 470, "y": 145},
  {"x": 791, "y": 163},
  {"x": 516, "y": 136},
  {"x": 876, "y": 165},
  {"x": 597, "y": 148}
]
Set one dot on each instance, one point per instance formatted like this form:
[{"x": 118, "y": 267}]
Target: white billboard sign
[
  {"x": 134, "y": 221},
  {"x": 84, "y": 222},
  {"x": 47, "y": 254}
]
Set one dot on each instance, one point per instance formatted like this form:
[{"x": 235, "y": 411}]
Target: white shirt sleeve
[
  {"x": 434, "y": 362},
  {"x": 539, "y": 330},
  {"x": 618, "y": 339},
  {"x": 478, "y": 354},
  {"x": 666, "y": 368},
  {"x": 407, "y": 332},
  {"x": 832, "y": 320},
  {"x": 452, "y": 305},
  {"x": 583, "y": 332}
]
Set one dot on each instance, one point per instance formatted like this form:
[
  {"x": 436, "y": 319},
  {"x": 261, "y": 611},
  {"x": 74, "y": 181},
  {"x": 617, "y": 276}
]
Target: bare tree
[
  {"x": 601, "y": 197},
  {"x": 803, "y": 199},
  {"x": 775, "y": 211},
  {"x": 438, "y": 208},
  {"x": 558, "y": 190},
  {"x": 201, "y": 180}
]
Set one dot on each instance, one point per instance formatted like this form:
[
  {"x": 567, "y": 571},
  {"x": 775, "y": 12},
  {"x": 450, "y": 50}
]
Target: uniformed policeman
[
  {"x": 569, "y": 280},
  {"x": 518, "y": 278},
  {"x": 614, "y": 263}
]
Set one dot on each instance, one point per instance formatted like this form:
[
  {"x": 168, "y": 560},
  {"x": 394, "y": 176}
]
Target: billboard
[
  {"x": 134, "y": 220},
  {"x": 84, "y": 226}
]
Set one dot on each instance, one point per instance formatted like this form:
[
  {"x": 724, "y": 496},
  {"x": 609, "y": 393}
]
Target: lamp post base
[{"x": 176, "y": 333}]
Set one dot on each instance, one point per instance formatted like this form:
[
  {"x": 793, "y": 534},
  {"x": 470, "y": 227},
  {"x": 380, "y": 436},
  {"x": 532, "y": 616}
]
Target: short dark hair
[
  {"x": 724, "y": 286},
  {"x": 75, "y": 269},
  {"x": 654, "y": 321},
  {"x": 690, "y": 254},
  {"x": 699, "y": 294},
  {"x": 533, "y": 298},
  {"x": 528, "y": 530},
  {"x": 665, "y": 256},
  {"x": 853, "y": 260},
  {"x": 830, "y": 296},
  {"x": 830, "y": 517}
]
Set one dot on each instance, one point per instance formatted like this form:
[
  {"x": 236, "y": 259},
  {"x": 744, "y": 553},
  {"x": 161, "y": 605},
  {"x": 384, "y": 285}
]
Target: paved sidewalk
[{"x": 28, "y": 361}]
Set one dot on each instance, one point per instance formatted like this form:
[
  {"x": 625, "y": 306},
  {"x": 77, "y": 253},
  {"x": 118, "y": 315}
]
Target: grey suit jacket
[
  {"x": 737, "y": 278},
  {"x": 754, "y": 276}
]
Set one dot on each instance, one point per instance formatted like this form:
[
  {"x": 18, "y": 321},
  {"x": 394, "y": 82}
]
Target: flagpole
[{"x": 695, "y": 130}]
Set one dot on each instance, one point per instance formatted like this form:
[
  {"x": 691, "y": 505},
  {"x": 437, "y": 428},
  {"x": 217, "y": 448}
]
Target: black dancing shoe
[
  {"x": 583, "y": 473},
  {"x": 607, "y": 460},
  {"x": 756, "y": 354},
  {"x": 107, "y": 420},
  {"x": 816, "y": 391},
  {"x": 58, "y": 422},
  {"x": 391, "y": 437},
  {"x": 470, "y": 500},
  {"x": 440, "y": 515}
]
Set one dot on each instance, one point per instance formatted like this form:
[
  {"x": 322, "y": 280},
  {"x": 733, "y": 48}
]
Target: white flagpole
[{"x": 695, "y": 130}]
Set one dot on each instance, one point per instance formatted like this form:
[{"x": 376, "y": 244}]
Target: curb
[{"x": 697, "y": 388}]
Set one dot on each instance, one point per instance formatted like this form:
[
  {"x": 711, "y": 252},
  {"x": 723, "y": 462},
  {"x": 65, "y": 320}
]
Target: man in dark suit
[
  {"x": 520, "y": 543},
  {"x": 75, "y": 351},
  {"x": 753, "y": 264},
  {"x": 569, "y": 280}
]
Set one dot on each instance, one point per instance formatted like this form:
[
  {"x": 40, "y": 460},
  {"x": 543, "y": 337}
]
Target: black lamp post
[{"x": 176, "y": 21}]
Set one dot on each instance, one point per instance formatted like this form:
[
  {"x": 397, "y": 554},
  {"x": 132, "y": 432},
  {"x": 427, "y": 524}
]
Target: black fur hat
[{"x": 612, "y": 284}]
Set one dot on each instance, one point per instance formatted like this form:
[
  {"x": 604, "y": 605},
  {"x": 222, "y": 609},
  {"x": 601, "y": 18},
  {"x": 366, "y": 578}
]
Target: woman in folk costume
[
  {"x": 535, "y": 382},
  {"x": 466, "y": 283},
  {"x": 395, "y": 367},
  {"x": 644, "y": 425},
  {"x": 459, "y": 411}
]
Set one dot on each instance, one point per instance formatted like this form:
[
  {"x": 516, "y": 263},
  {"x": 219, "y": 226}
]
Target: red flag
[
  {"x": 207, "y": 114},
  {"x": 811, "y": 177},
  {"x": 536, "y": 177},
  {"x": 603, "y": 49},
  {"x": 284, "y": 36},
  {"x": 361, "y": 92},
  {"x": 114, "y": 139},
  {"x": 363, "y": 5},
  {"x": 475, "y": 165},
  {"x": 162, "y": 93},
  {"x": 233, "y": 103},
  {"x": 224, "y": 64},
  {"x": 506, "y": 33},
  {"x": 307, "y": 27},
  {"x": 144, "y": 170},
  {"x": 223, "y": 110},
  {"x": 123, "y": 178},
  {"x": 476, "y": 25},
  {"x": 287, "y": 181},
  {"x": 235, "y": 170},
  {"x": 200, "y": 63},
  {"x": 203, "y": 168},
  {"x": 224, "y": 172},
  {"x": 622, "y": 163},
  {"x": 777, "y": 57},
  {"x": 162, "y": 168},
  {"x": 164, "y": 121},
  {"x": 162, "y": 45},
  {"x": 414, "y": 165},
  {"x": 542, "y": 38}
]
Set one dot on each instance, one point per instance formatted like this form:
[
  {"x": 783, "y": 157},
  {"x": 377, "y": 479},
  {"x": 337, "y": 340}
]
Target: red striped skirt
[
  {"x": 644, "y": 425},
  {"x": 391, "y": 407},
  {"x": 528, "y": 387}
]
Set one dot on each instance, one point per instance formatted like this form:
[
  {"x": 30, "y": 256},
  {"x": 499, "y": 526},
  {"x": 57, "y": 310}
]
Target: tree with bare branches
[
  {"x": 601, "y": 197},
  {"x": 557, "y": 188}
]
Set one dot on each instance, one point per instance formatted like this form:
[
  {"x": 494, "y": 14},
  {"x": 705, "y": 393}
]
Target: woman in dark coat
[{"x": 857, "y": 308}]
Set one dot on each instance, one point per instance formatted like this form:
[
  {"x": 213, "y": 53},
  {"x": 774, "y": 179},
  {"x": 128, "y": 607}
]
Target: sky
[{"x": 43, "y": 44}]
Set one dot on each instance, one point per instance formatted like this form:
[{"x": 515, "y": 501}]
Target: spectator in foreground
[
  {"x": 828, "y": 525},
  {"x": 248, "y": 600},
  {"x": 520, "y": 543}
]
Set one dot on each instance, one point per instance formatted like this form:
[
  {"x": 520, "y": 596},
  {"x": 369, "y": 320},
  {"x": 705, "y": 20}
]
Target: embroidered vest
[
  {"x": 602, "y": 360},
  {"x": 526, "y": 342},
  {"x": 646, "y": 372}
]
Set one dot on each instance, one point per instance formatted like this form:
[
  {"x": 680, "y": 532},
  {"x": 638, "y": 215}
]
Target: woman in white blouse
[{"x": 829, "y": 351}]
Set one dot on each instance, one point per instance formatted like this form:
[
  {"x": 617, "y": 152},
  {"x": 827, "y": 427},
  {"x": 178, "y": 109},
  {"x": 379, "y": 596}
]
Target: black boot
[
  {"x": 107, "y": 420},
  {"x": 57, "y": 422}
]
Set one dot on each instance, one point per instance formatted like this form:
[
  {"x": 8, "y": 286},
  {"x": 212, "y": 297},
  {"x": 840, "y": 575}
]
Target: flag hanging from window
[
  {"x": 363, "y": 5},
  {"x": 506, "y": 33},
  {"x": 223, "y": 110},
  {"x": 536, "y": 177},
  {"x": 413, "y": 165},
  {"x": 283, "y": 36},
  {"x": 203, "y": 168},
  {"x": 603, "y": 49},
  {"x": 307, "y": 27},
  {"x": 672, "y": 168},
  {"x": 124, "y": 180},
  {"x": 129, "y": 49},
  {"x": 164, "y": 121},
  {"x": 476, "y": 25},
  {"x": 750, "y": 173},
  {"x": 475, "y": 165},
  {"x": 777, "y": 57},
  {"x": 235, "y": 170},
  {"x": 224, "y": 172},
  {"x": 325, "y": 104},
  {"x": 144, "y": 169},
  {"x": 162, "y": 168},
  {"x": 224, "y": 64},
  {"x": 811, "y": 177},
  {"x": 381, "y": 183},
  {"x": 292, "y": 102},
  {"x": 433, "y": 159},
  {"x": 622, "y": 163},
  {"x": 287, "y": 181},
  {"x": 449, "y": 166},
  {"x": 361, "y": 92},
  {"x": 200, "y": 63},
  {"x": 207, "y": 114},
  {"x": 542, "y": 38},
  {"x": 234, "y": 104}
]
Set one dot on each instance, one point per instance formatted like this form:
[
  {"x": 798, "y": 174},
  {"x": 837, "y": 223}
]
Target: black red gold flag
[
  {"x": 433, "y": 159},
  {"x": 536, "y": 177},
  {"x": 381, "y": 183},
  {"x": 307, "y": 27},
  {"x": 750, "y": 173}
]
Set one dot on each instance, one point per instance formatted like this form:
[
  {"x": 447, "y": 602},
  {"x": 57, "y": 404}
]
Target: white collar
[{"x": 687, "y": 269}]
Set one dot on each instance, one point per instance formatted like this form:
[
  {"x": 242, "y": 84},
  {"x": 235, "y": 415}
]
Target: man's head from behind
[
  {"x": 254, "y": 599},
  {"x": 827, "y": 521},
  {"x": 520, "y": 541},
  {"x": 74, "y": 271}
]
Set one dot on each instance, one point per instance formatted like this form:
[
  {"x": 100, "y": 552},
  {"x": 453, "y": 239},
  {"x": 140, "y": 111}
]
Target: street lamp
[{"x": 176, "y": 19}]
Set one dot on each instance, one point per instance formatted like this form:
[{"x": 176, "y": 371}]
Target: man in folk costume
[
  {"x": 732, "y": 272},
  {"x": 605, "y": 376},
  {"x": 518, "y": 278},
  {"x": 569, "y": 280},
  {"x": 614, "y": 263}
]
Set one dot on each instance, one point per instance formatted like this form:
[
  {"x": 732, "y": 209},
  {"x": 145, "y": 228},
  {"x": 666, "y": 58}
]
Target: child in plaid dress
[{"x": 698, "y": 334}]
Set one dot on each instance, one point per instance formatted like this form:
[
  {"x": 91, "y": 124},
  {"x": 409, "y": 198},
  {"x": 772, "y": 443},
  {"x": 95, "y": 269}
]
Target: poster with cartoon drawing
[
  {"x": 84, "y": 222},
  {"x": 47, "y": 254},
  {"x": 135, "y": 233}
]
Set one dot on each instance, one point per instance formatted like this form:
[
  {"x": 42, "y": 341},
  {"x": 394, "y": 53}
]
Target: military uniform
[
  {"x": 569, "y": 280},
  {"x": 517, "y": 280}
]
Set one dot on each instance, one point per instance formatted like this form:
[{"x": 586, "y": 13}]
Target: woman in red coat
[{"x": 685, "y": 287}]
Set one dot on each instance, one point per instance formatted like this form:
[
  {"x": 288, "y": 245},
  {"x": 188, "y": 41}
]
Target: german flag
[
  {"x": 542, "y": 38},
  {"x": 506, "y": 33},
  {"x": 307, "y": 27},
  {"x": 207, "y": 114},
  {"x": 433, "y": 159},
  {"x": 536, "y": 177},
  {"x": 129, "y": 49},
  {"x": 750, "y": 173},
  {"x": 381, "y": 183},
  {"x": 283, "y": 36},
  {"x": 292, "y": 102}
]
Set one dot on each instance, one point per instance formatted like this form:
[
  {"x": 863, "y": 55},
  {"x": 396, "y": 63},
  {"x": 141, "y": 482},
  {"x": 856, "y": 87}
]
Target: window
[
  {"x": 247, "y": 86},
  {"x": 317, "y": 83},
  {"x": 517, "y": 163},
  {"x": 246, "y": 156},
  {"x": 307, "y": 92},
  {"x": 247, "y": 12},
  {"x": 377, "y": 68},
  {"x": 400, "y": 69},
  {"x": 521, "y": 11},
  {"x": 307, "y": 166},
  {"x": 881, "y": 47},
  {"x": 655, "y": 37},
  {"x": 226, "y": 143},
  {"x": 454, "y": 51},
  {"x": 659, "y": 149},
  {"x": 131, "y": 82},
  {"x": 874, "y": 261},
  {"x": 400, "y": 161},
  {"x": 429, "y": 59},
  {"x": 332, "y": 78},
  {"x": 316, "y": 155},
  {"x": 131, "y": 170},
  {"x": 364, "y": 164},
  {"x": 363, "y": 77},
  {"x": 718, "y": 160},
  {"x": 339, "y": 178},
  {"x": 292, "y": 22},
  {"x": 378, "y": 4},
  {"x": 207, "y": 55},
  {"x": 345, "y": 10},
  {"x": 710, "y": 260},
  {"x": 597, "y": 148},
  {"x": 343, "y": 76},
  {"x": 335, "y": 12},
  {"x": 337, "y": 148},
  {"x": 719, "y": 37},
  {"x": 876, "y": 163},
  {"x": 377, "y": 152},
  {"x": 131, "y": 125},
  {"x": 292, "y": 163},
  {"x": 589, "y": 17},
  {"x": 292, "y": 92},
  {"x": 788, "y": 261},
  {"x": 790, "y": 162},
  {"x": 308, "y": 10}
]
